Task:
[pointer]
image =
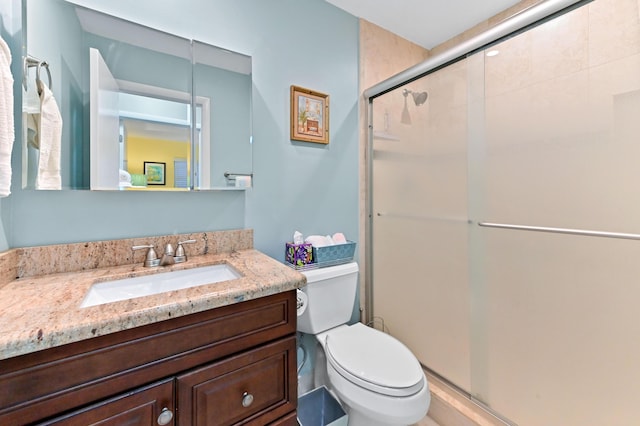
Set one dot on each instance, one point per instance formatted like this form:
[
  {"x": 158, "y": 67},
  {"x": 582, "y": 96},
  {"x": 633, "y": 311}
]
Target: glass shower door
[
  {"x": 555, "y": 314},
  {"x": 420, "y": 240}
]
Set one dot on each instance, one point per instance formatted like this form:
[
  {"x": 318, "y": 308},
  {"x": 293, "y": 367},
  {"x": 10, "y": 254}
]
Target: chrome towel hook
[
  {"x": 46, "y": 65},
  {"x": 30, "y": 62}
]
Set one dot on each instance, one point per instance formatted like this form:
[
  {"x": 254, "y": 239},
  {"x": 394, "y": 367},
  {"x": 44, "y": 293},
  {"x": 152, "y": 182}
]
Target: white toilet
[{"x": 376, "y": 378}]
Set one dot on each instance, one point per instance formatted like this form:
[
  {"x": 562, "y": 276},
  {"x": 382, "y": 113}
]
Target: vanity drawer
[
  {"x": 140, "y": 407},
  {"x": 256, "y": 387}
]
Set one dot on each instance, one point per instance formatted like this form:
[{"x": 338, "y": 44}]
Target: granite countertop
[{"x": 44, "y": 311}]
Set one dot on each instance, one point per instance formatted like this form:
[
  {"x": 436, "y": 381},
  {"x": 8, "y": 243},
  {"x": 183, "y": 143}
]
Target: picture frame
[
  {"x": 309, "y": 115},
  {"x": 155, "y": 172}
]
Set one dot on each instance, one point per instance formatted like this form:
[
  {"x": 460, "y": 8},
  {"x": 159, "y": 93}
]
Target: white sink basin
[{"x": 129, "y": 288}]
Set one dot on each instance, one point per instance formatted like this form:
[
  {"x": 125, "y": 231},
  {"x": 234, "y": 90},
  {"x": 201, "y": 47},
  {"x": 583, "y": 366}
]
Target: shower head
[{"x": 418, "y": 97}]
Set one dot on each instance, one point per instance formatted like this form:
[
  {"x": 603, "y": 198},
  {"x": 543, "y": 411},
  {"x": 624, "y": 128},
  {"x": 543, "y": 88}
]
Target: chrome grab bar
[{"x": 570, "y": 231}]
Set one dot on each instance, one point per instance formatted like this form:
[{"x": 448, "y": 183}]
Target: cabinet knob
[
  {"x": 247, "y": 399},
  {"x": 165, "y": 416}
]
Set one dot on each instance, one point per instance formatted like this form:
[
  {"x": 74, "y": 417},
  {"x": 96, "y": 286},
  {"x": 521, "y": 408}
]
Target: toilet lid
[{"x": 374, "y": 360}]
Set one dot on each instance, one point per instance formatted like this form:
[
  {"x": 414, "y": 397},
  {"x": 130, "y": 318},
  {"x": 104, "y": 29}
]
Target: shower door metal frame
[{"x": 513, "y": 25}]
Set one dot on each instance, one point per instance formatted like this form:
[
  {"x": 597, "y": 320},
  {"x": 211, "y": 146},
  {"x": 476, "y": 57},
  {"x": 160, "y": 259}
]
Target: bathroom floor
[
  {"x": 427, "y": 421},
  {"x": 451, "y": 408}
]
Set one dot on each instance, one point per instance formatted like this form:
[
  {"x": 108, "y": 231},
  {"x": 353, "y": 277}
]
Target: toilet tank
[{"x": 331, "y": 293}]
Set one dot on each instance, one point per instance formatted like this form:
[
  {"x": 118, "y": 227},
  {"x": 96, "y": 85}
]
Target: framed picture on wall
[
  {"x": 309, "y": 115},
  {"x": 155, "y": 172}
]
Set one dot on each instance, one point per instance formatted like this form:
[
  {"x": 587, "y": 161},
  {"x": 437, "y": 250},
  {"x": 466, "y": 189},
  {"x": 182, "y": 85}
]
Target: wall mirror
[{"x": 141, "y": 109}]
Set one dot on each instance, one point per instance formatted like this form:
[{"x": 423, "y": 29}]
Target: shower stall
[{"x": 504, "y": 206}]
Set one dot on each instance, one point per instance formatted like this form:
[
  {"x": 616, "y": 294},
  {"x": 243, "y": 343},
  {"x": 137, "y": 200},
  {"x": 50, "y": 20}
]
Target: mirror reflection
[
  {"x": 141, "y": 109},
  {"x": 155, "y": 130}
]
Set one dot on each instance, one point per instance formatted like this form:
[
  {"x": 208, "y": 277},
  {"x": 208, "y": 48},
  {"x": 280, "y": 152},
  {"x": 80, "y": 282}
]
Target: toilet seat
[{"x": 374, "y": 360}]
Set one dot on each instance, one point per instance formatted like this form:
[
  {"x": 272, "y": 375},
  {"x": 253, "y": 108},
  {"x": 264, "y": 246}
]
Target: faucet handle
[
  {"x": 180, "y": 255},
  {"x": 151, "y": 258}
]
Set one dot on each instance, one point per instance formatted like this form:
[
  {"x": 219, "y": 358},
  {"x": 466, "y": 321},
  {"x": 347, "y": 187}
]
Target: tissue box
[
  {"x": 299, "y": 254},
  {"x": 335, "y": 253}
]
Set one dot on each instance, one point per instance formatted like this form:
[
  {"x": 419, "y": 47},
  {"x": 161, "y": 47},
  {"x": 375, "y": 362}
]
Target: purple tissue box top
[{"x": 299, "y": 254}]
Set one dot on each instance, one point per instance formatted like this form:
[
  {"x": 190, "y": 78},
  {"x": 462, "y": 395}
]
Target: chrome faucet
[
  {"x": 167, "y": 257},
  {"x": 151, "y": 259}
]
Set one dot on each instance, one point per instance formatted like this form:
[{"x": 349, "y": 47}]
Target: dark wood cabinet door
[
  {"x": 256, "y": 387},
  {"x": 142, "y": 407}
]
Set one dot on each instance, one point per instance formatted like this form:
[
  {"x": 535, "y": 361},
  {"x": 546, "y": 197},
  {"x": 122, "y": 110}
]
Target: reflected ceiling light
[{"x": 492, "y": 53}]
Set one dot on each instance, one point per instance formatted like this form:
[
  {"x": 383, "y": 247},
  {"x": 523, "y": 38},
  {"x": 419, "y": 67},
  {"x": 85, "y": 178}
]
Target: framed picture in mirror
[
  {"x": 155, "y": 172},
  {"x": 309, "y": 115}
]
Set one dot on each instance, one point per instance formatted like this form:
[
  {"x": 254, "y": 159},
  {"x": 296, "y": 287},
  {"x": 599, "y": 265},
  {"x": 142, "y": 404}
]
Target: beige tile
[
  {"x": 614, "y": 30},
  {"x": 554, "y": 49},
  {"x": 512, "y": 69},
  {"x": 610, "y": 79},
  {"x": 451, "y": 408},
  {"x": 384, "y": 54},
  {"x": 560, "y": 46}
]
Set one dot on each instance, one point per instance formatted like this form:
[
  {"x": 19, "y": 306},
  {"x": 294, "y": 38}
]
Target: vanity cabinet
[{"x": 226, "y": 366}]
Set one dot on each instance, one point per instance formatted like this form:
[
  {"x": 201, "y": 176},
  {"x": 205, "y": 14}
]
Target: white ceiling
[{"x": 424, "y": 22}]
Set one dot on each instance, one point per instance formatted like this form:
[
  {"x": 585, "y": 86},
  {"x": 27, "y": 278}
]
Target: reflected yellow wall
[{"x": 141, "y": 149}]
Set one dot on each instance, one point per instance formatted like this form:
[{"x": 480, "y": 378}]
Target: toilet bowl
[{"x": 376, "y": 377}]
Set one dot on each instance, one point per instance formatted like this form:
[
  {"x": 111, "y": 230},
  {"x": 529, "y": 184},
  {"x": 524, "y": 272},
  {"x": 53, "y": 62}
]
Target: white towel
[
  {"x": 50, "y": 136},
  {"x": 31, "y": 108},
  {"x": 7, "y": 131}
]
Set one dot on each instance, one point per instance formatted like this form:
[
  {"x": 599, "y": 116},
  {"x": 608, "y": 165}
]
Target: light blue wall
[
  {"x": 11, "y": 33},
  {"x": 4, "y": 243},
  {"x": 297, "y": 186},
  {"x": 230, "y": 115},
  {"x": 66, "y": 80}
]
